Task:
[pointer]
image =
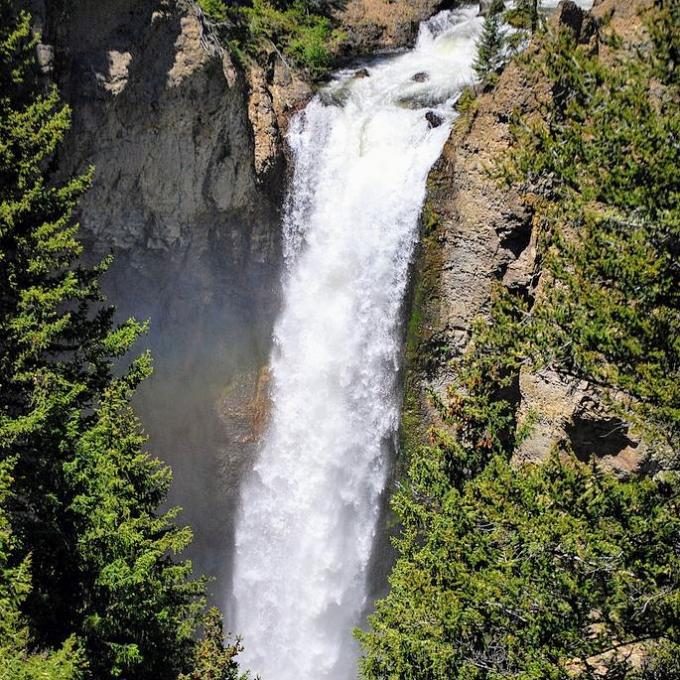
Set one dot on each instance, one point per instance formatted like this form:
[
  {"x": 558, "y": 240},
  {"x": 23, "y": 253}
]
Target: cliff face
[
  {"x": 479, "y": 235},
  {"x": 164, "y": 122},
  {"x": 162, "y": 115},
  {"x": 378, "y": 25}
]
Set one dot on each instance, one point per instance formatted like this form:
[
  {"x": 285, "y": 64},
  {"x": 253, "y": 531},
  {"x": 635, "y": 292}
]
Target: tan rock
[
  {"x": 559, "y": 411},
  {"x": 189, "y": 52},
  {"x": 375, "y": 25}
]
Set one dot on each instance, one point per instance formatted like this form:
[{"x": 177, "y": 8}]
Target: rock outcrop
[
  {"x": 556, "y": 409},
  {"x": 478, "y": 235},
  {"x": 163, "y": 120},
  {"x": 378, "y": 25}
]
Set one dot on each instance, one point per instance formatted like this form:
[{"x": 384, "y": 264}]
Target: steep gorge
[
  {"x": 190, "y": 169},
  {"x": 476, "y": 357}
]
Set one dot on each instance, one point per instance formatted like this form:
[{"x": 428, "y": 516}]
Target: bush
[{"x": 300, "y": 31}]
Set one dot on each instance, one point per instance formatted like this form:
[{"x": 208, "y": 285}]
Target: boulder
[
  {"x": 485, "y": 6},
  {"x": 579, "y": 22},
  {"x": 434, "y": 119},
  {"x": 557, "y": 409}
]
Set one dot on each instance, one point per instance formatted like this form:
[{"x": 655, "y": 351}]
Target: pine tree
[
  {"x": 142, "y": 606},
  {"x": 16, "y": 662},
  {"x": 83, "y": 508},
  {"x": 525, "y": 15},
  {"x": 214, "y": 660},
  {"x": 490, "y": 46}
]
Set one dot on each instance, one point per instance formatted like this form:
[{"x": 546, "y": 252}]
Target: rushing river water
[{"x": 310, "y": 508}]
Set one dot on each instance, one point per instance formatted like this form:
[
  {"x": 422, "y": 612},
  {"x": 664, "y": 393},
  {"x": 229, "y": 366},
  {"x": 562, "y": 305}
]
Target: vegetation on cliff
[
  {"x": 491, "y": 45},
  {"x": 90, "y": 586},
  {"x": 562, "y": 569},
  {"x": 505, "y": 31},
  {"x": 301, "y": 31}
]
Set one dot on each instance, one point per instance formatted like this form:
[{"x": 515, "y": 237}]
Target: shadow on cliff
[
  {"x": 207, "y": 354},
  {"x": 194, "y": 236}
]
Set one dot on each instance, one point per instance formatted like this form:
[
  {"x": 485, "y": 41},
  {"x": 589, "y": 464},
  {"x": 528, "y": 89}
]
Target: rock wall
[
  {"x": 477, "y": 235},
  {"x": 162, "y": 115},
  {"x": 164, "y": 122},
  {"x": 380, "y": 25}
]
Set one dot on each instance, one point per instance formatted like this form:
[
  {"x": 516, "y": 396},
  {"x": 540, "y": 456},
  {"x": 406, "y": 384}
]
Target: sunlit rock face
[{"x": 373, "y": 26}]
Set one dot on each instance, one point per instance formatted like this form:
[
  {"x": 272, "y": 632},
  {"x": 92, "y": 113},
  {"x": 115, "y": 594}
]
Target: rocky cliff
[
  {"x": 161, "y": 113},
  {"x": 477, "y": 235},
  {"x": 379, "y": 25}
]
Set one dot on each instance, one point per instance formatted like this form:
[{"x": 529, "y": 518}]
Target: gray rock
[
  {"x": 45, "y": 56},
  {"x": 420, "y": 77},
  {"x": 485, "y": 6},
  {"x": 581, "y": 23},
  {"x": 162, "y": 114},
  {"x": 434, "y": 119},
  {"x": 420, "y": 100}
]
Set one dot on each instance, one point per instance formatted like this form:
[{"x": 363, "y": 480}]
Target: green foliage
[
  {"x": 603, "y": 165},
  {"x": 216, "y": 10},
  {"x": 88, "y": 565},
  {"x": 298, "y": 30},
  {"x": 524, "y": 15},
  {"x": 467, "y": 107},
  {"x": 215, "y": 660},
  {"x": 141, "y": 607},
  {"x": 491, "y": 45},
  {"x": 498, "y": 44},
  {"x": 559, "y": 570},
  {"x": 16, "y": 661},
  {"x": 523, "y": 573},
  {"x": 663, "y": 663}
]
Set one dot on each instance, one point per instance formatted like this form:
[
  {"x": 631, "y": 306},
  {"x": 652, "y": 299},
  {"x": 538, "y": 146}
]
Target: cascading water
[{"x": 309, "y": 510}]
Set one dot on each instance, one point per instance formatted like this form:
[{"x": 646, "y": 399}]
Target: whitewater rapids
[{"x": 309, "y": 510}]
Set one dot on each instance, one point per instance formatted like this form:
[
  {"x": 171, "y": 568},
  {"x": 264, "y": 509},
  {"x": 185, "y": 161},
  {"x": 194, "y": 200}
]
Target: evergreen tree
[
  {"x": 213, "y": 660},
  {"x": 16, "y": 662},
  {"x": 83, "y": 508},
  {"x": 525, "y": 15},
  {"x": 491, "y": 45}
]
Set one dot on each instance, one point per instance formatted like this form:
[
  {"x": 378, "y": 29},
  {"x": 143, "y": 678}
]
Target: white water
[{"x": 309, "y": 510}]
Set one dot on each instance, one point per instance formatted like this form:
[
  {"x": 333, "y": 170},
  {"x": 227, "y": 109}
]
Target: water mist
[{"x": 309, "y": 510}]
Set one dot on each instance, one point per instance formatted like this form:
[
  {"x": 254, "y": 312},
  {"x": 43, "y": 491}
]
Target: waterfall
[{"x": 309, "y": 510}]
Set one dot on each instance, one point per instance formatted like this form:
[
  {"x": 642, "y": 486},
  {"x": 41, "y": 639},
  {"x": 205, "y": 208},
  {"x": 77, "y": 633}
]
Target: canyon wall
[
  {"x": 189, "y": 177},
  {"x": 477, "y": 235},
  {"x": 162, "y": 115}
]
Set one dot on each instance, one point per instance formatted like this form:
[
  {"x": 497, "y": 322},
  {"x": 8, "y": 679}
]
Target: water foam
[{"x": 309, "y": 511}]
